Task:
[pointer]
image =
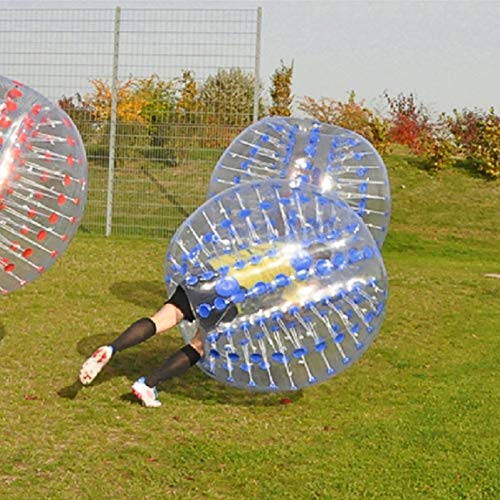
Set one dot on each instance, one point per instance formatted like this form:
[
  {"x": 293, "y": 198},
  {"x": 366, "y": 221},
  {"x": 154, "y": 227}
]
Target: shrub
[
  {"x": 410, "y": 123},
  {"x": 476, "y": 134},
  {"x": 464, "y": 127},
  {"x": 281, "y": 91},
  {"x": 227, "y": 97},
  {"x": 351, "y": 115},
  {"x": 486, "y": 151},
  {"x": 437, "y": 146}
]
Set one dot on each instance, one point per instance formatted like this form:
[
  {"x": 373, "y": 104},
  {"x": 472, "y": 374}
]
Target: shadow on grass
[
  {"x": 147, "y": 294},
  {"x": 420, "y": 163},
  {"x": 468, "y": 166},
  {"x": 167, "y": 193},
  {"x": 142, "y": 360},
  {"x": 471, "y": 167},
  {"x": 194, "y": 384},
  {"x": 2, "y": 332}
]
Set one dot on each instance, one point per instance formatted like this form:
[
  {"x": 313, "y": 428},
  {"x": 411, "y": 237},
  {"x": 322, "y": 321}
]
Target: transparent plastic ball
[
  {"x": 286, "y": 284},
  {"x": 333, "y": 159},
  {"x": 43, "y": 183}
]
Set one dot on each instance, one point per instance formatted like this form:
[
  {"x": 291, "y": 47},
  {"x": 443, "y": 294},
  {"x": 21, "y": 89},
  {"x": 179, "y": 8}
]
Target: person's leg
[
  {"x": 176, "y": 364},
  {"x": 139, "y": 331}
]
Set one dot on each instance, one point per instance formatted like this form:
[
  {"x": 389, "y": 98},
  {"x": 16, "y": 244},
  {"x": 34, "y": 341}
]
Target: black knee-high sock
[
  {"x": 177, "y": 363},
  {"x": 136, "y": 333}
]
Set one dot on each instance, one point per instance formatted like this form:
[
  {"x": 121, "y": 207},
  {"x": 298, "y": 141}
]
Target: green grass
[{"x": 416, "y": 417}]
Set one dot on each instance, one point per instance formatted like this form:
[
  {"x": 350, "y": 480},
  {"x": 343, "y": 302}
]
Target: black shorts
[
  {"x": 180, "y": 300},
  {"x": 187, "y": 298}
]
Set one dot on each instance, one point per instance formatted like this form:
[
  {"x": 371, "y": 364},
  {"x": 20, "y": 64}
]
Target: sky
[{"x": 446, "y": 53}]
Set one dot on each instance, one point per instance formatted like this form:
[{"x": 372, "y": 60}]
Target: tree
[
  {"x": 281, "y": 90},
  {"x": 188, "y": 102},
  {"x": 227, "y": 97}
]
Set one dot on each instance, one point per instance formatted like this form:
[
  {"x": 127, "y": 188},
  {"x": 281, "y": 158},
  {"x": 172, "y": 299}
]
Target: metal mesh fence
[{"x": 156, "y": 94}]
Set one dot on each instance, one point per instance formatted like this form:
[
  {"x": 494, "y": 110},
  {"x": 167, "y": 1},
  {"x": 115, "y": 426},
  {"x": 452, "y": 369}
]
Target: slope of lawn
[{"x": 417, "y": 416}]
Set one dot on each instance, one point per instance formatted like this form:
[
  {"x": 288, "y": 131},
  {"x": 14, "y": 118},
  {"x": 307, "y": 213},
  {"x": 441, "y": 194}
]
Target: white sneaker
[
  {"x": 95, "y": 364},
  {"x": 147, "y": 395}
]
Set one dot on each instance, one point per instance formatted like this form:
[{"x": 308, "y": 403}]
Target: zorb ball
[
  {"x": 286, "y": 284},
  {"x": 43, "y": 177},
  {"x": 333, "y": 159}
]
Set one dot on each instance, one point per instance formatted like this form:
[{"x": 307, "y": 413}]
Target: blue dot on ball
[
  {"x": 227, "y": 286},
  {"x": 204, "y": 310},
  {"x": 256, "y": 357}
]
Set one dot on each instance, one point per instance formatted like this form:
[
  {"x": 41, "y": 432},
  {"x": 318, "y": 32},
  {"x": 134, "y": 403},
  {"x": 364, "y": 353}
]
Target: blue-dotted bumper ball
[
  {"x": 333, "y": 159},
  {"x": 287, "y": 285},
  {"x": 43, "y": 183}
]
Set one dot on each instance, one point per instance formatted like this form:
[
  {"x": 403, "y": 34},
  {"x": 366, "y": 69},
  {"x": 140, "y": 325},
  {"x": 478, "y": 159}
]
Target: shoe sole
[
  {"x": 138, "y": 395},
  {"x": 98, "y": 363}
]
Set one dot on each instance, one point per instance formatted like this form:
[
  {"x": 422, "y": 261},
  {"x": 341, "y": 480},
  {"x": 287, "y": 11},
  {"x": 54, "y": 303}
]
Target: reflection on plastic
[{"x": 333, "y": 159}]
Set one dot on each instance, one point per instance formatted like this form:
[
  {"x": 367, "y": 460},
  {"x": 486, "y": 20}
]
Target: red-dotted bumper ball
[{"x": 43, "y": 183}]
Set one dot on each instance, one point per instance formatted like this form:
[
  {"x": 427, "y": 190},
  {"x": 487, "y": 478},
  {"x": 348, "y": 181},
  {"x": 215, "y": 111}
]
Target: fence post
[
  {"x": 112, "y": 127},
  {"x": 257, "y": 66}
]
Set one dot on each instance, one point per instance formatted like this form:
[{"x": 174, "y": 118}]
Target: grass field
[{"x": 416, "y": 417}]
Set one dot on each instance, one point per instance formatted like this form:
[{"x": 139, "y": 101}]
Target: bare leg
[{"x": 167, "y": 317}]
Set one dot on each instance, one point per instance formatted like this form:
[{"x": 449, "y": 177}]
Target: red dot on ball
[
  {"x": 61, "y": 199},
  {"x": 10, "y": 267},
  {"x": 27, "y": 253},
  {"x": 53, "y": 218},
  {"x": 28, "y": 122},
  {"x": 5, "y": 122},
  {"x": 10, "y": 105},
  {"x": 41, "y": 235},
  {"x": 14, "y": 93}
]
